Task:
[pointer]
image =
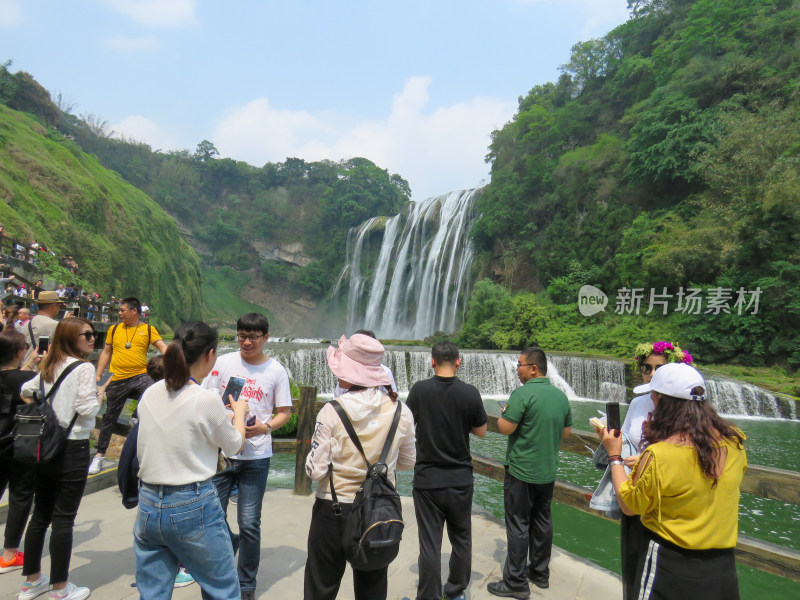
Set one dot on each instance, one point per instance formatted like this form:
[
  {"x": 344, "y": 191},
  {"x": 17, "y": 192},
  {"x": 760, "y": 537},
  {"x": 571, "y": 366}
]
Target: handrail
[{"x": 777, "y": 484}]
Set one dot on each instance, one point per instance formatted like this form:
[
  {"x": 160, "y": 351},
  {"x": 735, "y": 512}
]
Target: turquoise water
[{"x": 774, "y": 443}]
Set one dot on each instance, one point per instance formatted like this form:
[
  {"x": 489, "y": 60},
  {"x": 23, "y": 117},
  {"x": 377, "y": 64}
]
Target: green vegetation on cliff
[
  {"x": 54, "y": 193},
  {"x": 667, "y": 155}
]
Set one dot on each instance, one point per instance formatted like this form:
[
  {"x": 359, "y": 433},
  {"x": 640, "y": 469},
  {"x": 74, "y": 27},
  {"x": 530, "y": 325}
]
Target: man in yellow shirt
[{"x": 126, "y": 349}]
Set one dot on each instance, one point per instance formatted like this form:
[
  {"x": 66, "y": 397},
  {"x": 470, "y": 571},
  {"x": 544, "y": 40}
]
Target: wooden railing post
[{"x": 306, "y": 417}]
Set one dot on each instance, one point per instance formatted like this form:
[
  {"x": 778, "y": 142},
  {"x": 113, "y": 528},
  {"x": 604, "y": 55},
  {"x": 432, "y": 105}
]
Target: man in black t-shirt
[{"x": 446, "y": 410}]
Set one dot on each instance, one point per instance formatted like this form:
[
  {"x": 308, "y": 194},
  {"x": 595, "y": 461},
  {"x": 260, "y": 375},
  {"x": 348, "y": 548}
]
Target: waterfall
[
  {"x": 736, "y": 398},
  {"x": 419, "y": 282},
  {"x": 495, "y": 376}
]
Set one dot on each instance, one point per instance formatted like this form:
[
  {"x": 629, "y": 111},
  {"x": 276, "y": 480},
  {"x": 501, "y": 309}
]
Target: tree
[{"x": 205, "y": 151}]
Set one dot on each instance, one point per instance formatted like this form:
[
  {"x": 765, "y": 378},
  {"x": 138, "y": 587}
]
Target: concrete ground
[{"x": 103, "y": 558}]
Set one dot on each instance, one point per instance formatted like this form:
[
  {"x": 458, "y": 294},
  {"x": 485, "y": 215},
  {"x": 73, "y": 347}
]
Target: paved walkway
[{"x": 103, "y": 558}]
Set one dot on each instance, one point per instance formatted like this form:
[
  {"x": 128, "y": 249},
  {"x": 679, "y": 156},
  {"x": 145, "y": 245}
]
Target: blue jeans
[
  {"x": 251, "y": 477},
  {"x": 183, "y": 524}
]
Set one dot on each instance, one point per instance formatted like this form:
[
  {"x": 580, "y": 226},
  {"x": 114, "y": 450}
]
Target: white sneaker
[
  {"x": 37, "y": 588},
  {"x": 97, "y": 465},
  {"x": 71, "y": 592}
]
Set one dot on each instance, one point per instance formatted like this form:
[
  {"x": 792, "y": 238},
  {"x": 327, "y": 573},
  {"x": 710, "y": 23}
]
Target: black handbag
[{"x": 38, "y": 437}]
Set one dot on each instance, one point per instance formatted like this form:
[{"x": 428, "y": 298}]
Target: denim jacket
[{"x": 604, "y": 497}]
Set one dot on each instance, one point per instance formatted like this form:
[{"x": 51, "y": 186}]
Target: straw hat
[{"x": 48, "y": 298}]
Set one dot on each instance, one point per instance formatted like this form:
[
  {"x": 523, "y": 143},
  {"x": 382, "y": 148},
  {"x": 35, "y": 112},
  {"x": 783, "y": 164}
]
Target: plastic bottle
[{"x": 213, "y": 383}]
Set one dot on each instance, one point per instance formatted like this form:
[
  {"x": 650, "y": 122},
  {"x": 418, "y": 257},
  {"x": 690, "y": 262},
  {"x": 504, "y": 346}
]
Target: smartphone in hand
[
  {"x": 251, "y": 420},
  {"x": 612, "y": 416},
  {"x": 234, "y": 388},
  {"x": 44, "y": 344}
]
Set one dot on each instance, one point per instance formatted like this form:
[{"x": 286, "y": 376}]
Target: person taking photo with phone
[
  {"x": 266, "y": 389},
  {"x": 43, "y": 324},
  {"x": 181, "y": 429},
  {"x": 685, "y": 486}
]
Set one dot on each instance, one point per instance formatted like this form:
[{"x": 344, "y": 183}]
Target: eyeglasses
[
  {"x": 253, "y": 338},
  {"x": 519, "y": 364},
  {"x": 647, "y": 369},
  {"x": 89, "y": 335}
]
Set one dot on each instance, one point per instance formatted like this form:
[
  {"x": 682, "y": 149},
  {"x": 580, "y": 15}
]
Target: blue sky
[{"x": 416, "y": 87}]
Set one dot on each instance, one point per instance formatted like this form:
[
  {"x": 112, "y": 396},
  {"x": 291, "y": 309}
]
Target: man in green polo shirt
[{"x": 535, "y": 420}]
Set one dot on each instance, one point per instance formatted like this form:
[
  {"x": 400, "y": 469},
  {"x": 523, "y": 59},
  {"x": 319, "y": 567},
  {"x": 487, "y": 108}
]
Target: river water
[{"x": 771, "y": 442}]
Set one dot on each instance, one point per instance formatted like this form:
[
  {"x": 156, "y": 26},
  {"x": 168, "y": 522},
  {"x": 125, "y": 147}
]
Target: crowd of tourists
[{"x": 673, "y": 468}]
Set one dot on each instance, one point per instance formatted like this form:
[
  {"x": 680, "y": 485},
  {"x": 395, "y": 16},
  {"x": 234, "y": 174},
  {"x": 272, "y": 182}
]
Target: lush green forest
[
  {"x": 54, "y": 193},
  {"x": 282, "y": 226},
  {"x": 664, "y": 158},
  {"x": 236, "y": 213}
]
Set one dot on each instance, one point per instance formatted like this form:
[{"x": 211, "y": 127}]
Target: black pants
[
  {"x": 667, "y": 571},
  {"x": 117, "y": 393},
  {"x": 20, "y": 481},
  {"x": 529, "y": 531},
  {"x": 633, "y": 543},
  {"x": 434, "y": 508},
  {"x": 326, "y": 559},
  {"x": 59, "y": 489}
]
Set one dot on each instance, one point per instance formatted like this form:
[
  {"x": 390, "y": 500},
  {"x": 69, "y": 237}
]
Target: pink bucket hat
[{"x": 358, "y": 361}]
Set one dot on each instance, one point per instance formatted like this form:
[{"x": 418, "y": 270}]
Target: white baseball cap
[{"x": 676, "y": 380}]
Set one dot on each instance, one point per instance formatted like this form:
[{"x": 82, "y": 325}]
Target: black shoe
[
  {"x": 500, "y": 588},
  {"x": 540, "y": 583}
]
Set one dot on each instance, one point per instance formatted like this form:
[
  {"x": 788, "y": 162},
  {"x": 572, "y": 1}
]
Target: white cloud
[
  {"x": 158, "y": 13},
  {"x": 123, "y": 43},
  {"x": 436, "y": 151},
  {"x": 141, "y": 129},
  {"x": 10, "y": 13}
]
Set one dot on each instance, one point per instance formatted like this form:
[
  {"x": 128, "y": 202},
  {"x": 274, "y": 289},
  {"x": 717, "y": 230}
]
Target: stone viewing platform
[{"x": 103, "y": 558}]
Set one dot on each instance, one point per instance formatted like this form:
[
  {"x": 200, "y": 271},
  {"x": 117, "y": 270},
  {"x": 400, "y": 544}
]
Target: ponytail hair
[{"x": 192, "y": 340}]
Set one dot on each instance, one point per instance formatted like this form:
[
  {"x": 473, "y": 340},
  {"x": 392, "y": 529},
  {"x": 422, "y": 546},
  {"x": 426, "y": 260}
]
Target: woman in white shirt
[
  {"x": 60, "y": 482},
  {"x": 181, "y": 429}
]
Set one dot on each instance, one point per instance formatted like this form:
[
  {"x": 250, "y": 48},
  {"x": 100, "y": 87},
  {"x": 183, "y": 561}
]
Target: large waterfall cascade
[
  {"x": 420, "y": 280},
  {"x": 495, "y": 375}
]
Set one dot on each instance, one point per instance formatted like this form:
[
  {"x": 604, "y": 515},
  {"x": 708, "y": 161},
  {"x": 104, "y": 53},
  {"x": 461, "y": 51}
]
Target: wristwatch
[{"x": 269, "y": 428}]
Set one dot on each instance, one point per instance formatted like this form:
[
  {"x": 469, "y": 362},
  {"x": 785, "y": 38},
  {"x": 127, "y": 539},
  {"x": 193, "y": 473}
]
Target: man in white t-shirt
[{"x": 267, "y": 391}]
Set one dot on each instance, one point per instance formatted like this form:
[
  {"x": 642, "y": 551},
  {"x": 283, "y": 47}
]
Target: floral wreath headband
[{"x": 672, "y": 352}]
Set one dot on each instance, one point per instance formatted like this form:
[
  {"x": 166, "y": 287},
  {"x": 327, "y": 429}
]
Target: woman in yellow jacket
[{"x": 685, "y": 486}]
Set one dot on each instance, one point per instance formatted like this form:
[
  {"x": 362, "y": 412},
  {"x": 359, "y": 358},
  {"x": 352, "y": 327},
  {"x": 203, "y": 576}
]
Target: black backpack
[
  {"x": 38, "y": 438},
  {"x": 374, "y": 527}
]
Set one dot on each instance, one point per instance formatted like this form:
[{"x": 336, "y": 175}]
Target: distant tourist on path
[
  {"x": 181, "y": 429},
  {"x": 357, "y": 365},
  {"x": 536, "y": 418},
  {"x": 686, "y": 489},
  {"x": 649, "y": 358},
  {"x": 267, "y": 390},
  {"x": 23, "y": 316},
  {"x": 19, "y": 478},
  {"x": 44, "y": 323},
  {"x": 60, "y": 483},
  {"x": 126, "y": 350},
  {"x": 446, "y": 410}
]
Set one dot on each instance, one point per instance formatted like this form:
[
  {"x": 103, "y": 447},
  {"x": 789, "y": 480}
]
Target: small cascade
[
  {"x": 598, "y": 379},
  {"x": 419, "y": 282},
  {"x": 736, "y": 398},
  {"x": 494, "y": 374}
]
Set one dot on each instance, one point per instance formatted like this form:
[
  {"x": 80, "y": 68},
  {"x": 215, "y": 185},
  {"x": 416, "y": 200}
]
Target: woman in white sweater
[
  {"x": 60, "y": 482},
  {"x": 181, "y": 429}
]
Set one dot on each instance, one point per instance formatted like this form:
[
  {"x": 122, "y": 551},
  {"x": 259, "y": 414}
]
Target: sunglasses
[
  {"x": 647, "y": 369},
  {"x": 89, "y": 335}
]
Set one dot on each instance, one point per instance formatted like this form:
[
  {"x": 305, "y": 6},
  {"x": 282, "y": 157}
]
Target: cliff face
[{"x": 125, "y": 244}]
